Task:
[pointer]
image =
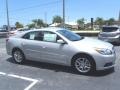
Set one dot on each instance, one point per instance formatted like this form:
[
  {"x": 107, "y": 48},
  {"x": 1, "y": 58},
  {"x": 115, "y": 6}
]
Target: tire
[
  {"x": 18, "y": 56},
  {"x": 83, "y": 64}
]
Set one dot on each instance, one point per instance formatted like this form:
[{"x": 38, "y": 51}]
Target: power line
[
  {"x": 25, "y": 17},
  {"x": 16, "y": 19},
  {"x": 36, "y": 6}
]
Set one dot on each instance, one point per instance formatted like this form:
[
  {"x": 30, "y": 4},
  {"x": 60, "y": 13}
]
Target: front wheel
[
  {"x": 18, "y": 56},
  {"x": 84, "y": 64}
]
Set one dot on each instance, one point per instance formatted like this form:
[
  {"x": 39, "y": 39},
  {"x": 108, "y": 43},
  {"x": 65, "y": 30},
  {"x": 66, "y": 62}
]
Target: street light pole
[
  {"x": 63, "y": 13},
  {"x": 7, "y": 12},
  {"x": 45, "y": 16}
]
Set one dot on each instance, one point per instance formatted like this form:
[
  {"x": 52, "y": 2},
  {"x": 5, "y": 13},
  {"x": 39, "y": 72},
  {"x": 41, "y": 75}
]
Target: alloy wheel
[
  {"x": 18, "y": 56},
  {"x": 83, "y": 65}
]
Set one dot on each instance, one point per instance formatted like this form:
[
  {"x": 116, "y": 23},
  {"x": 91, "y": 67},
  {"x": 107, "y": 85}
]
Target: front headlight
[{"x": 103, "y": 51}]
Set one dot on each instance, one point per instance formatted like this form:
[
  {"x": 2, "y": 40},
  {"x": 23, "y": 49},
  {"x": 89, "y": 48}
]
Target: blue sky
[{"x": 25, "y": 11}]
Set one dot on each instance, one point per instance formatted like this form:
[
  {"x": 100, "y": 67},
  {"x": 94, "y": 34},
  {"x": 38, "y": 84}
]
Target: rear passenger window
[
  {"x": 30, "y": 35},
  {"x": 39, "y": 36},
  {"x": 36, "y": 35},
  {"x": 26, "y": 36},
  {"x": 42, "y": 36}
]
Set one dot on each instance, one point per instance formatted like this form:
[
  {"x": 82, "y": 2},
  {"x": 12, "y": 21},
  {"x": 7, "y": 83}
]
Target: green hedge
[{"x": 87, "y": 33}]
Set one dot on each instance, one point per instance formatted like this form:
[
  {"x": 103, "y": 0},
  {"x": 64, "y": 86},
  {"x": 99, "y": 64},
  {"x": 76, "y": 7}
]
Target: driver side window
[{"x": 50, "y": 37}]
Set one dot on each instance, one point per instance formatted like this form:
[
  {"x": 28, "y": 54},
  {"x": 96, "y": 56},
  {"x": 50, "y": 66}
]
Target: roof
[
  {"x": 50, "y": 28},
  {"x": 54, "y": 29}
]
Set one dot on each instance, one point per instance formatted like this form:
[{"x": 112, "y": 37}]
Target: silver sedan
[{"x": 61, "y": 46}]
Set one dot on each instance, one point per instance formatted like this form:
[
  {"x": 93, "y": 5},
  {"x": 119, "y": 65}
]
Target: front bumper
[{"x": 105, "y": 61}]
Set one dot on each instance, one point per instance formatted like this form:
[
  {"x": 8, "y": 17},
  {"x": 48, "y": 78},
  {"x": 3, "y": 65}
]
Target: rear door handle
[{"x": 23, "y": 44}]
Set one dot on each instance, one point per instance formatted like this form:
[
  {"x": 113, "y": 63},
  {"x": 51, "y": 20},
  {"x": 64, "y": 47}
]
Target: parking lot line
[
  {"x": 21, "y": 77},
  {"x": 34, "y": 81},
  {"x": 31, "y": 85},
  {"x": 2, "y": 73}
]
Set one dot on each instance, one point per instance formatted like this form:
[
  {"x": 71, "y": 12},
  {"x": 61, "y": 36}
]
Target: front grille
[{"x": 107, "y": 35}]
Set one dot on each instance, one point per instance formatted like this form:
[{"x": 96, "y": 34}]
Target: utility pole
[
  {"x": 63, "y": 13},
  {"x": 119, "y": 16},
  {"x": 92, "y": 20},
  {"x": 7, "y": 12},
  {"x": 45, "y": 17}
]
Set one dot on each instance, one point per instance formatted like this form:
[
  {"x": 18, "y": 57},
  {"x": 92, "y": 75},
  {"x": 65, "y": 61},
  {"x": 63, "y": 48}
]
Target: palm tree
[
  {"x": 38, "y": 23},
  {"x": 31, "y": 25},
  {"x": 99, "y": 21},
  {"x": 110, "y": 21},
  {"x": 18, "y": 25},
  {"x": 81, "y": 23},
  {"x": 57, "y": 19}
]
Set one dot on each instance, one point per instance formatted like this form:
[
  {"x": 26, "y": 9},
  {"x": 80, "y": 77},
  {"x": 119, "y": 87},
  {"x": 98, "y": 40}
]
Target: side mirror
[{"x": 61, "y": 41}]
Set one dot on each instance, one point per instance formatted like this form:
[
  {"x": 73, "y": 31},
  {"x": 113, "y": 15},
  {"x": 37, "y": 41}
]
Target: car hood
[{"x": 92, "y": 43}]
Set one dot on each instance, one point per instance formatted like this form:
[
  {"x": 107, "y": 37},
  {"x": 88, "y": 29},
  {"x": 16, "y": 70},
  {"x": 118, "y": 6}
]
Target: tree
[
  {"x": 38, "y": 23},
  {"x": 57, "y": 19},
  {"x": 18, "y": 25},
  {"x": 31, "y": 26},
  {"x": 81, "y": 23},
  {"x": 110, "y": 21},
  {"x": 99, "y": 21},
  {"x": 45, "y": 25}
]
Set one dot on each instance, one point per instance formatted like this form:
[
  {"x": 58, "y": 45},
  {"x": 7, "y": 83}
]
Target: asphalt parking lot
[{"x": 43, "y": 76}]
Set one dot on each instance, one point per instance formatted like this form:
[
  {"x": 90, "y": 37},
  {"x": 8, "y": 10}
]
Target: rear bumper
[
  {"x": 110, "y": 39},
  {"x": 8, "y": 48}
]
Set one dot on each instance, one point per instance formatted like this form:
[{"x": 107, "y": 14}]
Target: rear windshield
[{"x": 109, "y": 29}]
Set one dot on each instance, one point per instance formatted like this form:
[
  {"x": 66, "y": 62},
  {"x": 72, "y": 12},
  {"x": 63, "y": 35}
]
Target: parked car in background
[
  {"x": 61, "y": 46},
  {"x": 15, "y": 31},
  {"x": 110, "y": 34},
  {"x": 3, "y": 33}
]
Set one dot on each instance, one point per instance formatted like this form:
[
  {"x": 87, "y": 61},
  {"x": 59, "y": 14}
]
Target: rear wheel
[
  {"x": 84, "y": 64},
  {"x": 18, "y": 56}
]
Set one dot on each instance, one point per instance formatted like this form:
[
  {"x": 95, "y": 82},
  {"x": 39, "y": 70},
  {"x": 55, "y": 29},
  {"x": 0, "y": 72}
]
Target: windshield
[
  {"x": 3, "y": 30},
  {"x": 70, "y": 35},
  {"x": 109, "y": 29}
]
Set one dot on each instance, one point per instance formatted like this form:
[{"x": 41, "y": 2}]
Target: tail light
[{"x": 12, "y": 32}]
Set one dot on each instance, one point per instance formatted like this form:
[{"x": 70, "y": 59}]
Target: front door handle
[{"x": 43, "y": 47}]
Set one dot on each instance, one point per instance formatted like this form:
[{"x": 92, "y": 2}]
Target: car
[
  {"x": 15, "y": 31},
  {"x": 110, "y": 34},
  {"x": 61, "y": 46},
  {"x": 3, "y": 33}
]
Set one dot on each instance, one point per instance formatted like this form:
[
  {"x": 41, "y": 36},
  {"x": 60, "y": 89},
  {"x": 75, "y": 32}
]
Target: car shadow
[{"x": 60, "y": 68}]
